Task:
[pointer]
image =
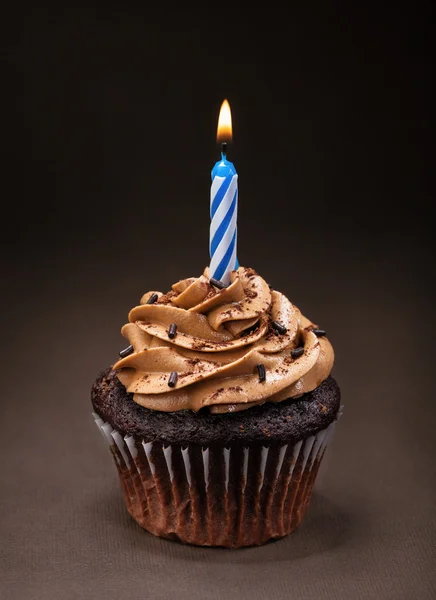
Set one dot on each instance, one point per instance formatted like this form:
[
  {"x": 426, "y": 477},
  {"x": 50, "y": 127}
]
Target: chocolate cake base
[
  {"x": 285, "y": 422},
  {"x": 229, "y": 480}
]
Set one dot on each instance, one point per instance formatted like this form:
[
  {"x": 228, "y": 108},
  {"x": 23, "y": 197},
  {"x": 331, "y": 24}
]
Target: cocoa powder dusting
[
  {"x": 211, "y": 293},
  {"x": 192, "y": 361},
  {"x": 217, "y": 393},
  {"x": 166, "y": 298},
  {"x": 250, "y": 272}
]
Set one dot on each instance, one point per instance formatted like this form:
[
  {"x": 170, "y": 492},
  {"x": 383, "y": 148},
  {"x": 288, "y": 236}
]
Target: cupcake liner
[{"x": 217, "y": 496}]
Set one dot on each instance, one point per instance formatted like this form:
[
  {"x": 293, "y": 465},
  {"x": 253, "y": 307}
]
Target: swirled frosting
[{"x": 222, "y": 336}]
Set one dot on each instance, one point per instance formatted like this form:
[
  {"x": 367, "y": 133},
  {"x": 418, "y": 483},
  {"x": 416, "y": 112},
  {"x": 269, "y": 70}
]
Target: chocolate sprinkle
[
  {"x": 172, "y": 331},
  {"x": 296, "y": 352},
  {"x": 152, "y": 299},
  {"x": 126, "y": 351},
  {"x": 319, "y": 332},
  {"x": 279, "y": 327},
  {"x": 172, "y": 379},
  {"x": 261, "y": 370},
  {"x": 217, "y": 283}
]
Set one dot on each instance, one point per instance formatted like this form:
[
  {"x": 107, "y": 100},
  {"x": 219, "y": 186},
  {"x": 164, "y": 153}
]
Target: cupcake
[{"x": 219, "y": 411}]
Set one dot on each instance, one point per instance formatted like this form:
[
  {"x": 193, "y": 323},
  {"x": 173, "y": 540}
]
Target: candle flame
[{"x": 224, "y": 131}]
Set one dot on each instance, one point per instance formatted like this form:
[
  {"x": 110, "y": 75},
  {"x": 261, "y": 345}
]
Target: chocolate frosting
[{"x": 221, "y": 337}]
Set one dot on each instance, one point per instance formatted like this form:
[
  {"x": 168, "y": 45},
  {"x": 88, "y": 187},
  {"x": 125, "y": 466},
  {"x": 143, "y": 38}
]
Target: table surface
[{"x": 65, "y": 533}]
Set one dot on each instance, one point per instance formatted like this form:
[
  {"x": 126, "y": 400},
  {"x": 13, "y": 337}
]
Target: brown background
[{"x": 109, "y": 141}]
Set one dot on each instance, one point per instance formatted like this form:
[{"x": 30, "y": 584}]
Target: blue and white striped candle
[{"x": 223, "y": 206}]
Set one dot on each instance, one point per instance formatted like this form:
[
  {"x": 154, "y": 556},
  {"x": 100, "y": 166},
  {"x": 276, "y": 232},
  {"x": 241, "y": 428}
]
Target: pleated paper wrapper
[{"x": 235, "y": 496}]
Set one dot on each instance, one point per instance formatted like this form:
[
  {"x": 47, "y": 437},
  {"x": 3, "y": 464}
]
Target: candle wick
[{"x": 224, "y": 150}]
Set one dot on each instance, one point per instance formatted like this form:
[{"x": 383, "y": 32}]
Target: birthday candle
[{"x": 223, "y": 206}]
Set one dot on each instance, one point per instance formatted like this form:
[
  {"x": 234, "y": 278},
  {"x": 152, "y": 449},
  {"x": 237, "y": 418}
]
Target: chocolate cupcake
[{"x": 219, "y": 411}]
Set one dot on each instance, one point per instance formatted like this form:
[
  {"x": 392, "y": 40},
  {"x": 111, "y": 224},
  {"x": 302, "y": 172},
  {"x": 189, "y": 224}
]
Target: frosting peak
[{"x": 221, "y": 336}]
